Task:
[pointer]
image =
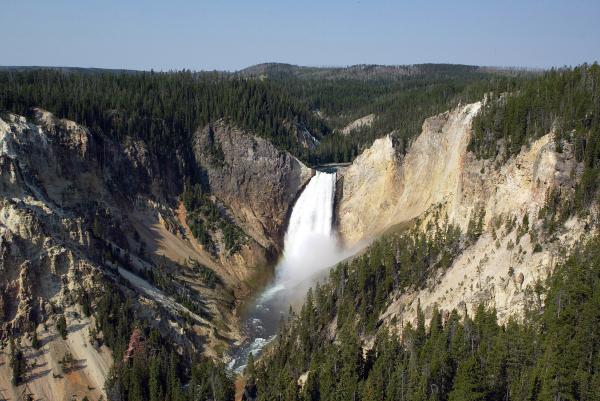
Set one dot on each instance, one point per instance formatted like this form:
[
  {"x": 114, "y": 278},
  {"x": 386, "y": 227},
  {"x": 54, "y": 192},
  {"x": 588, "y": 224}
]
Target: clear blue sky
[{"x": 228, "y": 35}]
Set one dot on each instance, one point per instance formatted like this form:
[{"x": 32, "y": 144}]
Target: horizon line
[{"x": 322, "y": 66}]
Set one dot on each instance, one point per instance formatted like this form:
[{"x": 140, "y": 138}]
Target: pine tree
[
  {"x": 35, "y": 342},
  {"x": 154, "y": 385},
  {"x": 467, "y": 383},
  {"x": 250, "y": 388},
  {"x": 17, "y": 363},
  {"x": 61, "y": 326},
  {"x": 174, "y": 383}
]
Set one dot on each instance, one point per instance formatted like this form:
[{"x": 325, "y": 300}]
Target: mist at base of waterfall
[
  {"x": 296, "y": 275},
  {"x": 310, "y": 249}
]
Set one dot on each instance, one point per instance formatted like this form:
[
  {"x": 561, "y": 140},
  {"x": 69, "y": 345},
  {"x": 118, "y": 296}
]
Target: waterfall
[
  {"x": 309, "y": 247},
  {"x": 309, "y": 243},
  {"x": 312, "y": 214}
]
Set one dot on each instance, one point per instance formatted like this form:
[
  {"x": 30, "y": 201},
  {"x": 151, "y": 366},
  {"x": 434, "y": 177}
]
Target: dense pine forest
[
  {"x": 164, "y": 109},
  {"x": 399, "y": 97},
  {"x": 552, "y": 354}
]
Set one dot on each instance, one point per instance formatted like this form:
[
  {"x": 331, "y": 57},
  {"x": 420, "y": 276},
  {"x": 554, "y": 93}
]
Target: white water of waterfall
[
  {"x": 309, "y": 243},
  {"x": 309, "y": 248}
]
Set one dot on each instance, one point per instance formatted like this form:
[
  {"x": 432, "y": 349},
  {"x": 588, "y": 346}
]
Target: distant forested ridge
[
  {"x": 164, "y": 109},
  {"x": 400, "y": 97}
]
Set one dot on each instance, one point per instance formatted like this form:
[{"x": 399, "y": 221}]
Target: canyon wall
[
  {"x": 382, "y": 188},
  {"x": 258, "y": 182},
  {"x": 438, "y": 176},
  {"x": 78, "y": 210}
]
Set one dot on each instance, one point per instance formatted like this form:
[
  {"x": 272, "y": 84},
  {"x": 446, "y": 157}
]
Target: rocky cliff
[
  {"x": 78, "y": 209},
  {"x": 382, "y": 187},
  {"x": 258, "y": 182},
  {"x": 439, "y": 177},
  {"x": 50, "y": 187},
  {"x": 65, "y": 189}
]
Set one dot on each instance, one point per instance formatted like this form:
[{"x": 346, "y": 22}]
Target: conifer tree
[
  {"x": 61, "y": 326},
  {"x": 250, "y": 388},
  {"x": 35, "y": 342},
  {"x": 467, "y": 383}
]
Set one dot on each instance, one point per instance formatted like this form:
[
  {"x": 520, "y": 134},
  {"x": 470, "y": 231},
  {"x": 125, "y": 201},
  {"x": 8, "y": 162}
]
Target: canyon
[
  {"x": 71, "y": 220},
  {"x": 56, "y": 183}
]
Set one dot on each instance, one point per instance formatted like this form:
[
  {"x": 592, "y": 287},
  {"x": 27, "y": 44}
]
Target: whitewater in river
[{"x": 310, "y": 246}]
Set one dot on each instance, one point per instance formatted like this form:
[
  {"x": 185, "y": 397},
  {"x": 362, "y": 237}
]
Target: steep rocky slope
[
  {"x": 257, "y": 181},
  {"x": 382, "y": 188},
  {"x": 65, "y": 229},
  {"x": 77, "y": 209},
  {"x": 437, "y": 179},
  {"x": 47, "y": 377}
]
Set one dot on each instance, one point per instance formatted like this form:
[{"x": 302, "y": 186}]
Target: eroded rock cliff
[
  {"x": 78, "y": 209},
  {"x": 382, "y": 187},
  {"x": 438, "y": 176},
  {"x": 257, "y": 181}
]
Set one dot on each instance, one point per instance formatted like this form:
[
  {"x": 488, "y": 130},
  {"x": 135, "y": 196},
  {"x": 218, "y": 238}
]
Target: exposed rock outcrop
[
  {"x": 359, "y": 123},
  {"x": 367, "y": 192},
  {"x": 383, "y": 188},
  {"x": 77, "y": 209},
  {"x": 258, "y": 182}
]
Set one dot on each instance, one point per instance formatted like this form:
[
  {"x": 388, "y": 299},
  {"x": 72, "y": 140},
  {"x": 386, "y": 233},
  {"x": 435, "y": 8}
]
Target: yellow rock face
[{"x": 382, "y": 188}]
